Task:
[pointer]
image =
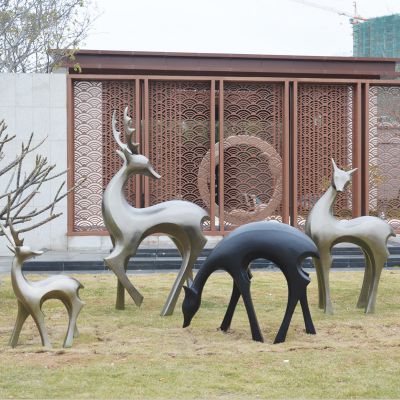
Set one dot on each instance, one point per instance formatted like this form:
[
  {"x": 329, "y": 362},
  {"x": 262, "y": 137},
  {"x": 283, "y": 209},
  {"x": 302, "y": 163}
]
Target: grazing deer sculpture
[
  {"x": 31, "y": 295},
  {"x": 128, "y": 226},
  {"x": 280, "y": 243},
  {"x": 370, "y": 233}
]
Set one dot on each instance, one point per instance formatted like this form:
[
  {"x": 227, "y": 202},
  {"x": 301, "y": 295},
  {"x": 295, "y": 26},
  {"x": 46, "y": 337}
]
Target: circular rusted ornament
[{"x": 261, "y": 211}]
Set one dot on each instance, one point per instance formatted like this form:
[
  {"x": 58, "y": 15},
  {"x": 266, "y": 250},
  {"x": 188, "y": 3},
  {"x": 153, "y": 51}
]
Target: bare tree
[
  {"x": 35, "y": 35},
  {"x": 21, "y": 186}
]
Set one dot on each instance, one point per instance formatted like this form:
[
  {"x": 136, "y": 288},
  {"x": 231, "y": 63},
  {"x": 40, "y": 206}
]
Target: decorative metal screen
[
  {"x": 87, "y": 153},
  {"x": 116, "y": 95},
  {"x": 178, "y": 134},
  {"x": 94, "y": 154},
  {"x": 384, "y": 153},
  {"x": 179, "y": 138},
  {"x": 253, "y": 129},
  {"x": 325, "y": 125}
]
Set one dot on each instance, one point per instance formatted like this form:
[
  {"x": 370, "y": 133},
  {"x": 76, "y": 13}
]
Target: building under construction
[{"x": 377, "y": 37}]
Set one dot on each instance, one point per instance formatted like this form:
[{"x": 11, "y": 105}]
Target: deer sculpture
[
  {"x": 128, "y": 226},
  {"x": 31, "y": 295},
  {"x": 280, "y": 243},
  {"x": 370, "y": 233}
]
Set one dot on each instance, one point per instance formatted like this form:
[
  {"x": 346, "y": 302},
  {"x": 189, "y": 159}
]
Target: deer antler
[
  {"x": 12, "y": 235},
  {"x": 117, "y": 135},
  {"x": 129, "y": 131}
]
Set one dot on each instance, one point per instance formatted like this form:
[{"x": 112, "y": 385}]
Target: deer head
[
  {"x": 129, "y": 152},
  {"x": 17, "y": 245},
  {"x": 190, "y": 305},
  {"x": 340, "y": 178}
]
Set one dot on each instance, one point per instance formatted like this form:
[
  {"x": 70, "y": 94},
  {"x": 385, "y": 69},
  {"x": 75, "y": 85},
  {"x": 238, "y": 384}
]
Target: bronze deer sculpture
[
  {"x": 370, "y": 233},
  {"x": 128, "y": 226},
  {"x": 31, "y": 295}
]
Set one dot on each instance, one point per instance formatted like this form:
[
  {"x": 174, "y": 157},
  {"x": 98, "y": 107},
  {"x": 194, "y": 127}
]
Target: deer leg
[
  {"x": 243, "y": 283},
  {"x": 321, "y": 287},
  {"x": 112, "y": 242},
  {"x": 291, "y": 305},
  {"x": 22, "y": 315},
  {"x": 189, "y": 278},
  {"x": 38, "y": 317},
  {"x": 120, "y": 301},
  {"x": 117, "y": 262},
  {"x": 226, "y": 323},
  {"x": 326, "y": 262},
  {"x": 189, "y": 258},
  {"x": 75, "y": 307},
  {"x": 379, "y": 262},
  {"x": 68, "y": 307},
  {"x": 306, "y": 313},
  {"x": 173, "y": 295},
  {"x": 363, "y": 298}
]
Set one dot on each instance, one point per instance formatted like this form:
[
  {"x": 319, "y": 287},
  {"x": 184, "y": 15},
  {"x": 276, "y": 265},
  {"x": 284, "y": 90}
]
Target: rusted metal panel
[
  {"x": 325, "y": 118},
  {"x": 138, "y": 139},
  {"x": 384, "y": 153},
  {"x": 212, "y": 156},
  {"x": 70, "y": 155},
  {"x": 179, "y": 138},
  {"x": 294, "y": 155},
  {"x": 92, "y": 149},
  {"x": 357, "y": 151},
  {"x": 365, "y": 149},
  {"x": 286, "y": 157},
  {"x": 253, "y": 139},
  {"x": 116, "y": 95},
  {"x": 87, "y": 156},
  {"x": 146, "y": 139},
  {"x": 199, "y": 133},
  {"x": 221, "y": 159}
]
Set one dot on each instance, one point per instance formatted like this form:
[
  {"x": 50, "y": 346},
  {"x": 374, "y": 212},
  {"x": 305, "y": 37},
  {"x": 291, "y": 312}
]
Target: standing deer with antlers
[
  {"x": 31, "y": 295},
  {"x": 370, "y": 233},
  {"x": 128, "y": 226}
]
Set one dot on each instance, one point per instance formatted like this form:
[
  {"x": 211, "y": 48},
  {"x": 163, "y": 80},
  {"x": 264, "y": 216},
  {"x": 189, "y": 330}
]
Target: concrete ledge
[{"x": 169, "y": 259}]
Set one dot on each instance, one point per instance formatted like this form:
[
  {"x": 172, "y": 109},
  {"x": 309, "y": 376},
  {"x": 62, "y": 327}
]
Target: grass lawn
[{"x": 138, "y": 354}]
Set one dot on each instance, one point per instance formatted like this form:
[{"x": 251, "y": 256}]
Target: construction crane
[{"x": 354, "y": 18}]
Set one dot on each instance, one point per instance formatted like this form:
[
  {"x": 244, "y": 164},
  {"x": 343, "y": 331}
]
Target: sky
[{"x": 231, "y": 26}]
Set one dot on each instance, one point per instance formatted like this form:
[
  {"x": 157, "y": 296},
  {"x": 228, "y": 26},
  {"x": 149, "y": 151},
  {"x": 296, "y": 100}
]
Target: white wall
[{"x": 37, "y": 103}]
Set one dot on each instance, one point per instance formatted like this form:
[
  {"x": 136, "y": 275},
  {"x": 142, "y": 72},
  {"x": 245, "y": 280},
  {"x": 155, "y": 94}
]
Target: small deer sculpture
[
  {"x": 128, "y": 226},
  {"x": 280, "y": 243},
  {"x": 31, "y": 295},
  {"x": 370, "y": 233}
]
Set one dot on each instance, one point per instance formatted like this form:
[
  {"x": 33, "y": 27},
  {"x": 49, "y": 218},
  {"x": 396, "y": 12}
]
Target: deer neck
[
  {"x": 326, "y": 202},
  {"x": 201, "y": 278},
  {"x": 114, "y": 195},
  {"x": 322, "y": 212},
  {"x": 19, "y": 282}
]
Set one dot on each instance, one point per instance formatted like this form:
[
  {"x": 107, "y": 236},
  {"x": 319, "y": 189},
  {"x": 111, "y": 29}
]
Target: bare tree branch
[{"x": 24, "y": 184}]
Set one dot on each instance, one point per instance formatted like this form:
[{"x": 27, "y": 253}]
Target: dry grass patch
[{"x": 138, "y": 354}]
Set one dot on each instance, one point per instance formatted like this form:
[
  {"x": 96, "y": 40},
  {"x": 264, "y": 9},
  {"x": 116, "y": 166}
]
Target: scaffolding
[{"x": 377, "y": 37}]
